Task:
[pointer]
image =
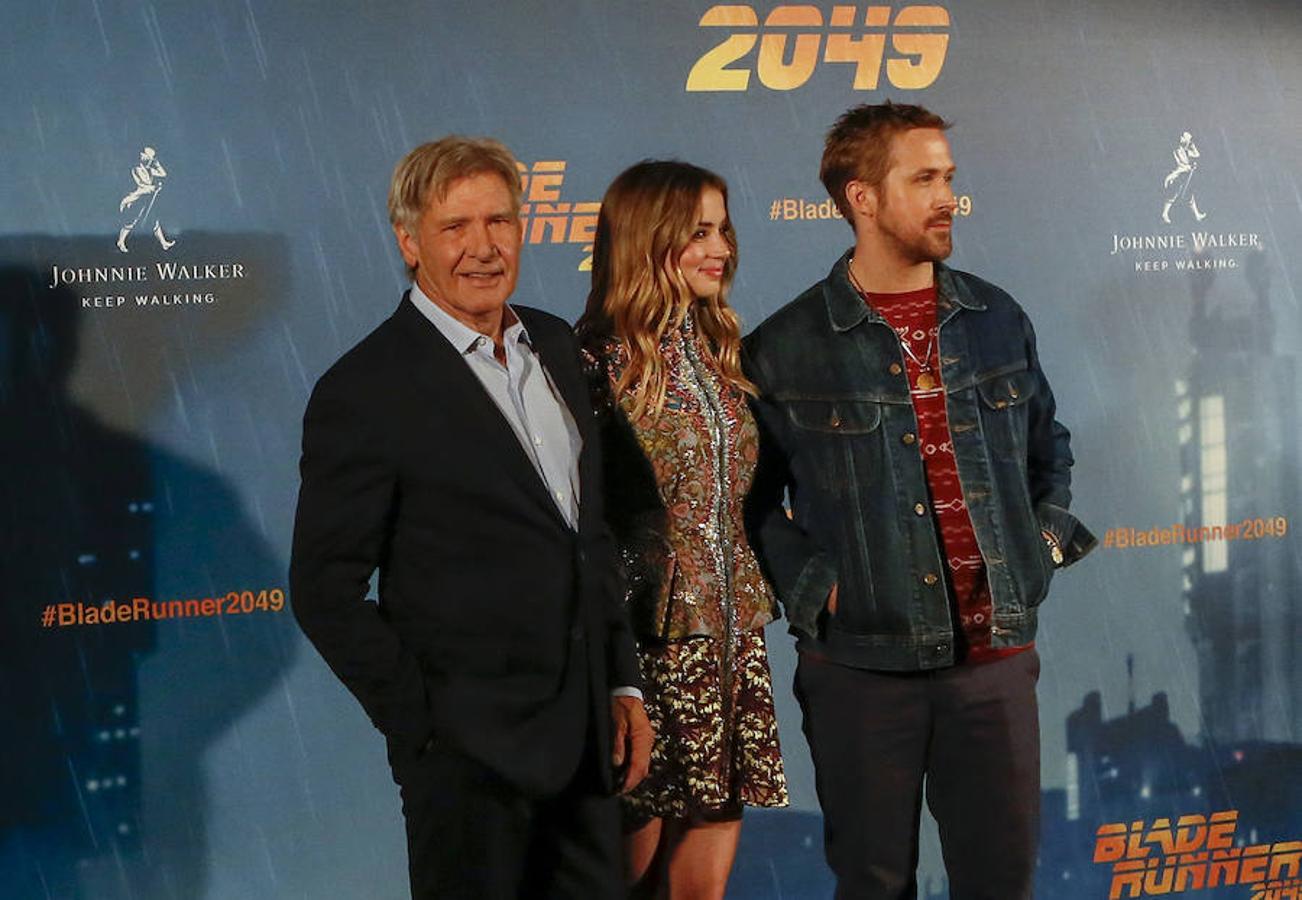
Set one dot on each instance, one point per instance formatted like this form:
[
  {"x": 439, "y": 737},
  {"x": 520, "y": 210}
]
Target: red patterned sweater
[{"x": 913, "y": 316}]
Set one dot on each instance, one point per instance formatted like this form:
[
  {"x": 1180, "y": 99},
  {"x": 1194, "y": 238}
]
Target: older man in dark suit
[{"x": 453, "y": 449}]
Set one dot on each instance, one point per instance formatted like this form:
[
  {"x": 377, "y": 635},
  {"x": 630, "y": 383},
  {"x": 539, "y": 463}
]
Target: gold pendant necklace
[{"x": 927, "y": 381}]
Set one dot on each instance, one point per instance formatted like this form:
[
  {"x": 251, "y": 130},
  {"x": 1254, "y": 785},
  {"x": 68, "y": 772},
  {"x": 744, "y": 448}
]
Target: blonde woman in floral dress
[{"x": 663, "y": 351}]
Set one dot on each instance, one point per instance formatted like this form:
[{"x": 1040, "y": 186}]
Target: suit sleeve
[
  {"x": 634, "y": 511},
  {"x": 1048, "y": 463},
  {"x": 621, "y": 647},
  {"x": 801, "y": 572},
  {"x": 345, "y": 511}
]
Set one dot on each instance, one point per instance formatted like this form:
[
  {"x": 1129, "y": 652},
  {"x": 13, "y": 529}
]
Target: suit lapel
[
  {"x": 451, "y": 385},
  {"x": 555, "y": 349}
]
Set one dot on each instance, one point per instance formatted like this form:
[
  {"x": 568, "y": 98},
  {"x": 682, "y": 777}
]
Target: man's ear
[
  {"x": 862, "y": 198},
  {"x": 406, "y": 244}
]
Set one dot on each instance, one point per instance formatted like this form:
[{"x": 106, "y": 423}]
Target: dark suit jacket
[{"x": 499, "y": 628}]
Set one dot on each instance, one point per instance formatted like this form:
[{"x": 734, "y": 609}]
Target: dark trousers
[
  {"x": 970, "y": 734},
  {"x": 473, "y": 836}
]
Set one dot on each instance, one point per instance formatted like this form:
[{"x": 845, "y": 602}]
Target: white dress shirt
[
  {"x": 526, "y": 397},
  {"x": 530, "y": 403}
]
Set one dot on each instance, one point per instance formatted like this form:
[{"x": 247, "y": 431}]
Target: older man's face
[{"x": 466, "y": 250}]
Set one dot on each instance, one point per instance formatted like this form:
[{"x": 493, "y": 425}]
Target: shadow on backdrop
[{"x": 109, "y": 726}]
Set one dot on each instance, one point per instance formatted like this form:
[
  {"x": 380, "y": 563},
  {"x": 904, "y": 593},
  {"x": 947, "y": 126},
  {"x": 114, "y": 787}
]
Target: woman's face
[{"x": 702, "y": 260}]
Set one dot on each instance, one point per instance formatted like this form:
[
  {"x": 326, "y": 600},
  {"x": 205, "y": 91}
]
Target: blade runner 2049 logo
[
  {"x": 547, "y": 219},
  {"x": 795, "y": 40},
  {"x": 146, "y": 265},
  {"x": 1184, "y": 239},
  {"x": 1196, "y": 853}
]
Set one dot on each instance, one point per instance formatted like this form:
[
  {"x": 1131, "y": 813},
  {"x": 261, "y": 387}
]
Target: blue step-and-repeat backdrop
[{"x": 1128, "y": 170}]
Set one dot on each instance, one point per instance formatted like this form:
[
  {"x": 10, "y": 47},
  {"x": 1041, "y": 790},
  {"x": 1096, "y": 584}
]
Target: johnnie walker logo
[
  {"x": 138, "y": 207},
  {"x": 136, "y": 273},
  {"x": 1178, "y": 180},
  {"x": 1181, "y": 243}
]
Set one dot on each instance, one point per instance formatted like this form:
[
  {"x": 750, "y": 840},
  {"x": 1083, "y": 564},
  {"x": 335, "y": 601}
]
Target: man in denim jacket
[{"x": 904, "y": 412}]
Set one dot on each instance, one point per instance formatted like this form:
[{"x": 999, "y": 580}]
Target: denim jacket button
[
  {"x": 895, "y": 368},
  {"x": 920, "y": 509},
  {"x": 835, "y": 421},
  {"x": 909, "y": 437},
  {"x": 930, "y": 579}
]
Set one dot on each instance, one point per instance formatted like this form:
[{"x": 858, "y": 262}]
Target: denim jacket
[{"x": 838, "y": 436}]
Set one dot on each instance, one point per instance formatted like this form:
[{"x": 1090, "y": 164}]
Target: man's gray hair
[{"x": 431, "y": 168}]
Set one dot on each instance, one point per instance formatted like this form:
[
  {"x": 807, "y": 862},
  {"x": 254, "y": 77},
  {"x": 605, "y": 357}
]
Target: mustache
[{"x": 944, "y": 218}]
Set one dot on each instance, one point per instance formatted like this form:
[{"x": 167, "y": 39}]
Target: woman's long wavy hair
[{"x": 638, "y": 293}]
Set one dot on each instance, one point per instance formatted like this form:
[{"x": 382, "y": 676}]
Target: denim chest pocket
[
  {"x": 847, "y": 417},
  {"x": 1005, "y": 407},
  {"x": 842, "y": 440}
]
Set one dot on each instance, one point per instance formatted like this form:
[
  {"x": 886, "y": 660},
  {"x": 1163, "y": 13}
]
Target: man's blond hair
[{"x": 430, "y": 169}]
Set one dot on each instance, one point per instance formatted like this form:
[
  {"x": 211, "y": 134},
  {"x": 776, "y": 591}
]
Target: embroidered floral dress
[{"x": 676, "y": 485}]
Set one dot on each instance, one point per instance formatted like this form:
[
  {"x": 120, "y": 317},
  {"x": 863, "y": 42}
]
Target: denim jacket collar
[{"x": 846, "y": 308}]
